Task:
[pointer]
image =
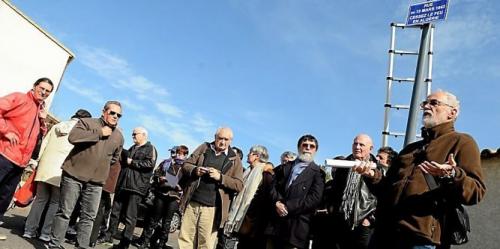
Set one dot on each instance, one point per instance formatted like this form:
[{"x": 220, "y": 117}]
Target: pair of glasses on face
[
  {"x": 135, "y": 134},
  {"x": 112, "y": 113},
  {"x": 433, "y": 103},
  {"x": 308, "y": 146}
]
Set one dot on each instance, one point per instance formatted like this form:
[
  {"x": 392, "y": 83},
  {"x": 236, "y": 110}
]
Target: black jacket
[
  {"x": 135, "y": 177},
  {"x": 301, "y": 199},
  {"x": 163, "y": 188}
]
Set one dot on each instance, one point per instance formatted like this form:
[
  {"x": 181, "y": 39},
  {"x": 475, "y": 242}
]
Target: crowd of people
[{"x": 84, "y": 174}]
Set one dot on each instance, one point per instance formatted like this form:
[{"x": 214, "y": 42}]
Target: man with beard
[
  {"x": 296, "y": 192},
  {"x": 353, "y": 202},
  {"x": 428, "y": 176}
]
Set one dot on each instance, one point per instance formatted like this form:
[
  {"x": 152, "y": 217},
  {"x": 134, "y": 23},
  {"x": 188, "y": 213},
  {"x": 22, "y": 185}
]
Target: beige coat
[{"x": 54, "y": 149}]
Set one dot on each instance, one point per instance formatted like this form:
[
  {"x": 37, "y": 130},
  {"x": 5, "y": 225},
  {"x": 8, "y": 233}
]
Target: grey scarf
[{"x": 350, "y": 196}]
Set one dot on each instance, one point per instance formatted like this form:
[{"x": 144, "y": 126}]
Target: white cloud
[
  {"x": 202, "y": 125},
  {"x": 169, "y": 109},
  {"x": 78, "y": 88},
  {"x": 465, "y": 33},
  {"x": 132, "y": 105},
  {"x": 118, "y": 72},
  {"x": 146, "y": 102},
  {"x": 176, "y": 133}
]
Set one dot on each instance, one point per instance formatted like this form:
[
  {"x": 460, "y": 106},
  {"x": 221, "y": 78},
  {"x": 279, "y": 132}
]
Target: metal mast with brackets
[{"x": 419, "y": 16}]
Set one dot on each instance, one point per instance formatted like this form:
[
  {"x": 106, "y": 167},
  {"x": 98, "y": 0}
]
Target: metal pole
[
  {"x": 420, "y": 75},
  {"x": 431, "y": 53}
]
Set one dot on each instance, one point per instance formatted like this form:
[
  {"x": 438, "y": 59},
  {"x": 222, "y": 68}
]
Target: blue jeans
[
  {"x": 424, "y": 247},
  {"x": 71, "y": 190}
]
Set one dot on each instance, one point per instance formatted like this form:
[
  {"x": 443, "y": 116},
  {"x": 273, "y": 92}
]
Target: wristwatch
[{"x": 450, "y": 175}]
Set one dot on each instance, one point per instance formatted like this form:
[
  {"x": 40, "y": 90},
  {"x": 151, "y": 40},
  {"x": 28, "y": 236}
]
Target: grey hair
[
  {"x": 219, "y": 130},
  {"x": 142, "y": 130},
  {"x": 111, "y": 102},
  {"x": 451, "y": 100},
  {"x": 288, "y": 154},
  {"x": 261, "y": 151}
]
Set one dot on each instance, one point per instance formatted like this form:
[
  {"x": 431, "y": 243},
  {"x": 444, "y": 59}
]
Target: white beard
[
  {"x": 306, "y": 157},
  {"x": 429, "y": 121}
]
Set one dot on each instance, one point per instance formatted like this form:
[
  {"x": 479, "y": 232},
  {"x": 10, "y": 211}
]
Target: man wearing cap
[{"x": 54, "y": 149}]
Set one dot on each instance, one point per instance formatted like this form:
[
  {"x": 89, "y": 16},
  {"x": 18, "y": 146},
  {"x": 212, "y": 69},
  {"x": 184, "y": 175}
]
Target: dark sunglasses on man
[{"x": 112, "y": 113}]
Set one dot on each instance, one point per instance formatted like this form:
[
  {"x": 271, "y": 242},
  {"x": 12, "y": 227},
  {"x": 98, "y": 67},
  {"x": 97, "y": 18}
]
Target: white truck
[{"x": 27, "y": 53}]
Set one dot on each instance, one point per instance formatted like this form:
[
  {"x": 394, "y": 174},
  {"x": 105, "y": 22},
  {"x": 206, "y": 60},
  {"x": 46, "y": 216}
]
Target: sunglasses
[
  {"x": 434, "y": 103},
  {"x": 112, "y": 113},
  {"x": 308, "y": 146}
]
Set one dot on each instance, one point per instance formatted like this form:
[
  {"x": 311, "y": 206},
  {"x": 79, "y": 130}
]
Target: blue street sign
[{"x": 427, "y": 12}]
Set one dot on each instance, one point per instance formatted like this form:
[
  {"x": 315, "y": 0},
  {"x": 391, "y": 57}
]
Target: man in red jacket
[{"x": 22, "y": 118}]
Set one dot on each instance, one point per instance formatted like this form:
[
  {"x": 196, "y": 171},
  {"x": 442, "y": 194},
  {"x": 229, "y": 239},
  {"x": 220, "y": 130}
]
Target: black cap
[{"x": 82, "y": 113}]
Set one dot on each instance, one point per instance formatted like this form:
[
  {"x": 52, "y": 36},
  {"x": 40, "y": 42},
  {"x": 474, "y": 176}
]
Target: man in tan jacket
[{"x": 213, "y": 174}]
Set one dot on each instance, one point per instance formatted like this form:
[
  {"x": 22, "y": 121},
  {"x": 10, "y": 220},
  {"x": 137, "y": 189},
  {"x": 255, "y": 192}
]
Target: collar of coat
[{"x": 430, "y": 134}]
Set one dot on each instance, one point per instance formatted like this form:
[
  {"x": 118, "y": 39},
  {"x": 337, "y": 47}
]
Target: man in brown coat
[
  {"x": 411, "y": 210},
  {"x": 214, "y": 174},
  {"x": 98, "y": 143}
]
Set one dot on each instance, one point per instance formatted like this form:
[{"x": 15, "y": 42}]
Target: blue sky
[{"x": 271, "y": 70}]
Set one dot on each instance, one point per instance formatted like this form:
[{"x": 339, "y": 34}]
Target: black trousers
[
  {"x": 102, "y": 217},
  {"x": 10, "y": 175},
  {"x": 359, "y": 238},
  {"x": 126, "y": 203},
  {"x": 246, "y": 242},
  {"x": 163, "y": 209}
]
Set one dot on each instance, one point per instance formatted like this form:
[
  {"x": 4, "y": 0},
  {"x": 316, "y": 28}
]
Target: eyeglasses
[
  {"x": 308, "y": 146},
  {"x": 434, "y": 103},
  {"x": 112, "y": 113},
  {"x": 134, "y": 134}
]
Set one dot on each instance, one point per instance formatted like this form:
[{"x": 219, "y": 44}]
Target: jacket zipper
[{"x": 31, "y": 131}]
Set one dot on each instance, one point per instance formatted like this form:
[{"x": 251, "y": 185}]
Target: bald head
[
  {"x": 362, "y": 147},
  {"x": 140, "y": 136}
]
